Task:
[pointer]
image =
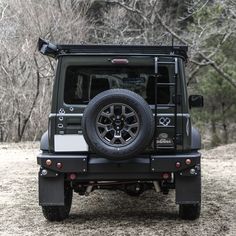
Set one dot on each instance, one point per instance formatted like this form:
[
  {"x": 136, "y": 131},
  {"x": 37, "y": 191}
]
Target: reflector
[{"x": 72, "y": 176}]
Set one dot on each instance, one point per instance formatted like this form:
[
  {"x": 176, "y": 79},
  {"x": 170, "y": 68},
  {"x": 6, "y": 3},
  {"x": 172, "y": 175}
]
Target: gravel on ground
[{"x": 114, "y": 212}]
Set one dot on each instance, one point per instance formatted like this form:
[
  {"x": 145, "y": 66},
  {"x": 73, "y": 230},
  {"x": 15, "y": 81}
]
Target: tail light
[
  {"x": 59, "y": 165},
  {"x": 177, "y": 164},
  {"x": 188, "y": 161},
  {"x": 72, "y": 176},
  {"x": 165, "y": 175},
  {"x": 48, "y": 162}
]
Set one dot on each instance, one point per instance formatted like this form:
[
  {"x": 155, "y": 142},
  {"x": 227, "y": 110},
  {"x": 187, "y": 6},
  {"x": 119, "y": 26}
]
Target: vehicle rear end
[{"x": 119, "y": 120}]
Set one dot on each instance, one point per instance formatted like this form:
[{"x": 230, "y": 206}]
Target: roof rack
[{"x": 51, "y": 50}]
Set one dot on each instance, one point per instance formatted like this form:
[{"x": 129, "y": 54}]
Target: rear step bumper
[{"x": 143, "y": 167}]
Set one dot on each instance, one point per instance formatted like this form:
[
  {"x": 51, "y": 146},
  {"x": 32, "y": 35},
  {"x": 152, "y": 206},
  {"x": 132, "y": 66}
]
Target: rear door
[{"x": 83, "y": 77}]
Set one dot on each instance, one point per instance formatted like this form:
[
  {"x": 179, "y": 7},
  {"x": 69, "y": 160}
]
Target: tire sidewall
[{"x": 126, "y": 97}]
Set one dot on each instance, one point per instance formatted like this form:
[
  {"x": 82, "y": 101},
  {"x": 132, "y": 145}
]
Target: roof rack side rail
[{"x": 47, "y": 48}]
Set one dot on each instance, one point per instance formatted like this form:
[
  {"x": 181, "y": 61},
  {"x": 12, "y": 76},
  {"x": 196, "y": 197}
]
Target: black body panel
[
  {"x": 72, "y": 163},
  {"x": 98, "y": 168}
]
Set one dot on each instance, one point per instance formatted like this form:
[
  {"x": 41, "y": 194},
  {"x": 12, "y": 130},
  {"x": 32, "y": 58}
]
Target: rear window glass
[{"x": 83, "y": 83}]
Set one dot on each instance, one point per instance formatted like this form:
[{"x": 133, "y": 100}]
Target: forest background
[{"x": 208, "y": 27}]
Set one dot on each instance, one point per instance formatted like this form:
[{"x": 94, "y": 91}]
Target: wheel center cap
[{"x": 118, "y": 122}]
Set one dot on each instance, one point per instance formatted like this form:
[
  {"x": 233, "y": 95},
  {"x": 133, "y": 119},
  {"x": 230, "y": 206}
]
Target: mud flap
[
  {"x": 188, "y": 189},
  {"x": 51, "y": 190}
]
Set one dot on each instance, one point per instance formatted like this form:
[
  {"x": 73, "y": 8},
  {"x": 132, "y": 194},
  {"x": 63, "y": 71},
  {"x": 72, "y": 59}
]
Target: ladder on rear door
[{"x": 173, "y": 104}]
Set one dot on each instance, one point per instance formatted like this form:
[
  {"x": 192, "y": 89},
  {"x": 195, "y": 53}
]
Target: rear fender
[
  {"x": 44, "y": 143},
  {"x": 196, "y": 139}
]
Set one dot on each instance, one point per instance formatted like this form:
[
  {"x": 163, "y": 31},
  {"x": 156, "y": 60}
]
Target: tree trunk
[
  {"x": 224, "y": 124},
  {"x": 215, "y": 140}
]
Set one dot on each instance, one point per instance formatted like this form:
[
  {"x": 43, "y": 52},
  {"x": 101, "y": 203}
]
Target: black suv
[{"x": 119, "y": 120}]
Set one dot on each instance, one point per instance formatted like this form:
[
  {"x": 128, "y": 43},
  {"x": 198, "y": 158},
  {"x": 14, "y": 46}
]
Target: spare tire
[{"x": 118, "y": 124}]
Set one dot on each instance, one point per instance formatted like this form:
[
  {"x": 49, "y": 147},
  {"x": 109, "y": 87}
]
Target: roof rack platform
[{"x": 51, "y": 50}]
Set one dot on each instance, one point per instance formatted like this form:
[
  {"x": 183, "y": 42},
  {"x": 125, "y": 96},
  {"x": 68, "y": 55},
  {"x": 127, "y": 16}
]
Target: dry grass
[{"x": 114, "y": 213}]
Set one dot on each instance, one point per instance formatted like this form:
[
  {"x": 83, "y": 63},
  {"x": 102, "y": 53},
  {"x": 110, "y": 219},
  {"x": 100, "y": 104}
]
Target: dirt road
[{"x": 115, "y": 213}]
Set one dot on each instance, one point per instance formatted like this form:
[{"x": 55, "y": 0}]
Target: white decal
[{"x": 165, "y": 121}]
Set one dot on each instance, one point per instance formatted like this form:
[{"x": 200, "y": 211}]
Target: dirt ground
[{"x": 113, "y": 212}]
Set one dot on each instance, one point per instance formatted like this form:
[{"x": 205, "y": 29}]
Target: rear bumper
[{"x": 143, "y": 167}]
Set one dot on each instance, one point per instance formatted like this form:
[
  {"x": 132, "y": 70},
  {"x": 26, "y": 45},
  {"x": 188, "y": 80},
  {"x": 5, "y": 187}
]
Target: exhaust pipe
[
  {"x": 156, "y": 186},
  {"x": 89, "y": 189}
]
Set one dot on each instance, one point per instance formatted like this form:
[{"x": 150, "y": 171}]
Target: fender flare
[
  {"x": 196, "y": 139},
  {"x": 44, "y": 143}
]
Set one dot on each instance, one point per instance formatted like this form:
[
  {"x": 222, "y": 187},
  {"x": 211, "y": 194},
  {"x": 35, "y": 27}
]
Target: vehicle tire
[
  {"x": 118, "y": 124},
  {"x": 59, "y": 213},
  {"x": 189, "y": 211}
]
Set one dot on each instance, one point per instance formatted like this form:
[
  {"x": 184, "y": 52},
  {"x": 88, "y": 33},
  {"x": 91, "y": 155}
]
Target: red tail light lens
[
  {"x": 72, "y": 176},
  {"x": 48, "y": 162},
  {"x": 188, "y": 161},
  {"x": 59, "y": 165},
  {"x": 177, "y": 164},
  {"x": 165, "y": 175}
]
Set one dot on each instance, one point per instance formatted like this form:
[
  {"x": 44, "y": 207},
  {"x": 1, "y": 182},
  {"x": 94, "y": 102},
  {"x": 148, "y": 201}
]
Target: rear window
[{"x": 83, "y": 83}]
